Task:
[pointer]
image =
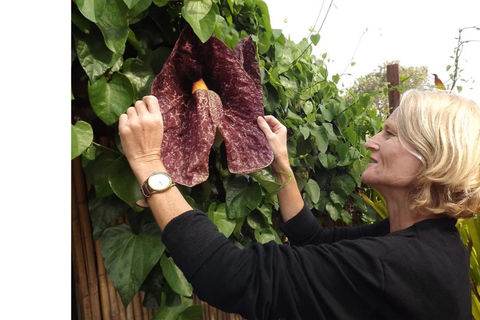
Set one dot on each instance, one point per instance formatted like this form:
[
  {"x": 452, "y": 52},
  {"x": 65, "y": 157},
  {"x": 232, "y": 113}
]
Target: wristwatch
[{"x": 157, "y": 182}]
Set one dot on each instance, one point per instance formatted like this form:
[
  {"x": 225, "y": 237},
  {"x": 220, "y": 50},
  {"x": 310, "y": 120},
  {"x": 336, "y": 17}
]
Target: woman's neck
[{"x": 400, "y": 214}]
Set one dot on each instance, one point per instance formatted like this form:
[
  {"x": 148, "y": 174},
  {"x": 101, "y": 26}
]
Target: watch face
[{"x": 159, "y": 181}]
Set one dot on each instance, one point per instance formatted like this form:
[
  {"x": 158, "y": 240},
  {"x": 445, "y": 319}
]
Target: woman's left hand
[{"x": 141, "y": 133}]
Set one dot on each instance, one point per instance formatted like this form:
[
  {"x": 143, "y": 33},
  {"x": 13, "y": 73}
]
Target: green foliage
[
  {"x": 376, "y": 84},
  {"x": 118, "y": 46},
  {"x": 470, "y": 233}
]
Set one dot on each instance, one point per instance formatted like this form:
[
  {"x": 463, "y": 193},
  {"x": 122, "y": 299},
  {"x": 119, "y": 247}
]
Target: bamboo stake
[
  {"x": 102, "y": 279},
  {"x": 144, "y": 310},
  {"x": 80, "y": 273},
  {"x": 112, "y": 294},
  {"x": 90, "y": 259},
  {"x": 82, "y": 204},
  {"x": 129, "y": 311},
  {"x": 121, "y": 308},
  {"x": 137, "y": 306}
]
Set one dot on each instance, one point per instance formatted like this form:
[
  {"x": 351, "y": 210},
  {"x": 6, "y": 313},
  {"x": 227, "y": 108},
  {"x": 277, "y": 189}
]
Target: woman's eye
[{"x": 390, "y": 133}]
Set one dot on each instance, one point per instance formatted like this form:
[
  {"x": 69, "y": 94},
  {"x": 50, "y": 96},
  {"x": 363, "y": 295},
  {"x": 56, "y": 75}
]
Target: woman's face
[{"x": 392, "y": 165}]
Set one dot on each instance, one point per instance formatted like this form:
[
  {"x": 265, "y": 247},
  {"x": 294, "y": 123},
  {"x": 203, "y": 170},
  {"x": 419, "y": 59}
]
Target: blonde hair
[{"x": 443, "y": 131}]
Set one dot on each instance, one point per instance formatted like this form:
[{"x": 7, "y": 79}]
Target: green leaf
[
  {"x": 327, "y": 114},
  {"x": 140, "y": 75},
  {"x": 110, "y": 99},
  {"x": 266, "y": 179},
  {"x": 114, "y": 25},
  {"x": 123, "y": 182},
  {"x": 328, "y": 161},
  {"x": 175, "y": 277},
  {"x": 305, "y": 131},
  {"x": 313, "y": 190},
  {"x": 192, "y": 313},
  {"x": 321, "y": 137},
  {"x": 359, "y": 203},
  {"x": 94, "y": 56},
  {"x": 346, "y": 216},
  {"x": 241, "y": 199},
  {"x": 343, "y": 184},
  {"x": 129, "y": 258},
  {"x": 172, "y": 306},
  {"x": 139, "y": 11},
  {"x": 91, "y": 9},
  {"x": 334, "y": 210},
  {"x": 219, "y": 217},
  {"x": 315, "y": 38},
  {"x": 342, "y": 149},
  {"x": 338, "y": 198},
  {"x": 97, "y": 173},
  {"x": 266, "y": 235},
  {"x": 201, "y": 17},
  {"x": 105, "y": 211},
  {"x": 160, "y": 3},
  {"x": 82, "y": 137},
  {"x": 130, "y": 3}
]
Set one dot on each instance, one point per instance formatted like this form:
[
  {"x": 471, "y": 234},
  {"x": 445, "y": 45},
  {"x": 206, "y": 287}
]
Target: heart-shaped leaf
[
  {"x": 91, "y": 9},
  {"x": 129, "y": 258},
  {"x": 104, "y": 211},
  {"x": 175, "y": 277},
  {"x": 219, "y": 217},
  {"x": 110, "y": 99},
  {"x": 343, "y": 184},
  {"x": 313, "y": 190},
  {"x": 140, "y": 75},
  {"x": 114, "y": 25},
  {"x": 94, "y": 56},
  {"x": 172, "y": 306},
  {"x": 82, "y": 137},
  {"x": 96, "y": 173},
  {"x": 123, "y": 183},
  {"x": 241, "y": 199},
  {"x": 266, "y": 179},
  {"x": 201, "y": 17}
]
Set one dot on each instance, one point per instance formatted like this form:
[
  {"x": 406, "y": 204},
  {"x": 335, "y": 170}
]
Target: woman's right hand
[{"x": 276, "y": 134}]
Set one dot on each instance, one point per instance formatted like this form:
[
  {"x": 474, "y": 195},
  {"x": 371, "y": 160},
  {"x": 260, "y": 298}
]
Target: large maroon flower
[{"x": 231, "y": 104}]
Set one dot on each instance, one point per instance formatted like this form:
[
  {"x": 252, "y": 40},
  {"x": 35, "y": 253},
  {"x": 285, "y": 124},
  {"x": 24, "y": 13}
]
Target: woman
[{"x": 413, "y": 265}]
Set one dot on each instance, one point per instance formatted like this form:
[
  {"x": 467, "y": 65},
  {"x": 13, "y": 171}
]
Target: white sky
[{"x": 415, "y": 32}]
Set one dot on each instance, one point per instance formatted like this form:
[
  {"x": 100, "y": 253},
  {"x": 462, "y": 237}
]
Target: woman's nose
[{"x": 372, "y": 144}]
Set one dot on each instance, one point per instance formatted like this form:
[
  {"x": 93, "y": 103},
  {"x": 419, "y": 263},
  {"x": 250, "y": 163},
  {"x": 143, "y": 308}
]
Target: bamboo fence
[{"x": 94, "y": 296}]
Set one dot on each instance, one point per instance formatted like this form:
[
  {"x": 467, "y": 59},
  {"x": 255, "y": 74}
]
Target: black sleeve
[
  {"x": 272, "y": 281},
  {"x": 304, "y": 229}
]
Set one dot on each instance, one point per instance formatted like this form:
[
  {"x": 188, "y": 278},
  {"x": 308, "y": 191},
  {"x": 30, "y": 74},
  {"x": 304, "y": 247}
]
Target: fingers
[
  {"x": 149, "y": 104},
  {"x": 264, "y": 126},
  {"x": 152, "y": 103},
  {"x": 271, "y": 124}
]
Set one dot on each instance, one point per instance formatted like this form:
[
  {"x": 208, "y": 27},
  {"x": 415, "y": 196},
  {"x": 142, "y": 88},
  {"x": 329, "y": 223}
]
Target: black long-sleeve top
[{"x": 421, "y": 272}]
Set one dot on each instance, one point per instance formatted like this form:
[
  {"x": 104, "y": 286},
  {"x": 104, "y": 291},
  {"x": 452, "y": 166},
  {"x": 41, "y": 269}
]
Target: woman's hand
[
  {"x": 276, "y": 134},
  {"x": 141, "y": 134}
]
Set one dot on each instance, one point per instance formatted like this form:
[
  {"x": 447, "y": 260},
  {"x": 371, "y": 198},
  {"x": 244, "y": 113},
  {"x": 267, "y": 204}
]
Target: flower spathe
[{"x": 231, "y": 103}]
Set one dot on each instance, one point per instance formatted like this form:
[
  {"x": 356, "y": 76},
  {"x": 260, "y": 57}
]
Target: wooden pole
[
  {"x": 393, "y": 79},
  {"x": 129, "y": 311},
  {"x": 80, "y": 273},
  {"x": 102, "y": 279},
  {"x": 121, "y": 308},
  {"x": 112, "y": 294},
  {"x": 137, "y": 306},
  {"x": 144, "y": 310},
  {"x": 84, "y": 218}
]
